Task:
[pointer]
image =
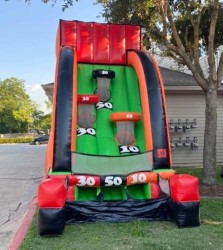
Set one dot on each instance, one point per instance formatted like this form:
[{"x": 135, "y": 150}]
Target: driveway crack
[{"x": 11, "y": 213}]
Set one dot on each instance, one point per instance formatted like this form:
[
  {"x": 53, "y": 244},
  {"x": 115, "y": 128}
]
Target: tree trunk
[{"x": 210, "y": 132}]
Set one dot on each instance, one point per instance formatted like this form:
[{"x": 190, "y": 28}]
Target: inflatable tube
[
  {"x": 147, "y": 74},
  {"x": 63, "y": 121}
]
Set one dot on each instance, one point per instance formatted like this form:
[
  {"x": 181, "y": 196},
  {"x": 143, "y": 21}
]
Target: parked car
[{"x": 40, "y": 140}]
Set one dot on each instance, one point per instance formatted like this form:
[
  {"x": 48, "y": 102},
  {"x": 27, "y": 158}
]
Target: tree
[
  {"x": 139, "y": 12},
  {"x": 16, "y": 108},
  {"x": 41, "y": 120},
  {"x": 189, "y": 50},
  {"x": 66, "y": 3},
  {"x": 187, "y": 29}
]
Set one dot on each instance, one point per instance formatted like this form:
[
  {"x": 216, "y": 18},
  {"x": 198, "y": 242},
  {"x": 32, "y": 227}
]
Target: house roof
[
  {"x": 176, "y": 78},
  {"x": 48, "y": 88},
  {"x": 169, "y": 63}
]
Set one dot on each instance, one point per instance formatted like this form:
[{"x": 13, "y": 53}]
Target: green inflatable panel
[{"x": 125, "y": 97}]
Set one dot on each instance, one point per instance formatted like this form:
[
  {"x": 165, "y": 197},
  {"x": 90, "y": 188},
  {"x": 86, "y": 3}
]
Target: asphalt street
[{"x": 21, "y": 170}]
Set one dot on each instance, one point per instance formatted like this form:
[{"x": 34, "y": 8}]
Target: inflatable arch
[{"x": 108, "y": 156}]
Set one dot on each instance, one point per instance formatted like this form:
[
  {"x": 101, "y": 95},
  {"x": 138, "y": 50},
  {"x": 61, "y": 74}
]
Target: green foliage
[
  {"x": 204, "y": 28},
  {"x": 48, "y": 105},
  {"x": 185, "y": 28},
  {"x": 16, "y": 107},
  {"x": 40, "y": 120},
  {"x": 15, "y": 140},
  {"x": 66, "y": 3},
  {"x": 145, "y": 13},
  {"x": 140, "y": 12}
]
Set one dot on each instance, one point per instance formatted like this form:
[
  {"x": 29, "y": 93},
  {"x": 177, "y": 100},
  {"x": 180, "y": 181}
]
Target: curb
[{"x": 23, "y": 229}]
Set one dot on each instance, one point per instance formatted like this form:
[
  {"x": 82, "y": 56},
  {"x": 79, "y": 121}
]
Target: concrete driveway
[{"x": 21, "y": 170}]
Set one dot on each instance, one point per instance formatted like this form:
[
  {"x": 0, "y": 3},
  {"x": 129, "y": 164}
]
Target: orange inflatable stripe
[
  {"x": 165, "y": 174},
  {"x": 134, "y": 61},
  {"x": 141, "y": 178},
  {"x": 50, "y": 146},
  {"x": 125, "y": 116}
]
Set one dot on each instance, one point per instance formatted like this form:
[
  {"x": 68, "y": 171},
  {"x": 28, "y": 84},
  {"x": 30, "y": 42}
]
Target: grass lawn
[{"x": 138, "y": 235}]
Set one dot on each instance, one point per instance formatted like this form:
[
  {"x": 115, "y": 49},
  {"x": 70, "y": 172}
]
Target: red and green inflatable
[{"x": 109, "y": 157}]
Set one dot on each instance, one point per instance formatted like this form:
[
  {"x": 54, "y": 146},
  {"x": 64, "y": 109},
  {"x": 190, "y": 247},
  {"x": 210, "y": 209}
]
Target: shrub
[{"x": 15, "y": 140}]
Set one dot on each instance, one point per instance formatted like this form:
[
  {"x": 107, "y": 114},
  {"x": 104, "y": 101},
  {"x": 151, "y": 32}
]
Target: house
[
  {"x": 186, "y": 114},
  {"x": 186, "y": 108}
]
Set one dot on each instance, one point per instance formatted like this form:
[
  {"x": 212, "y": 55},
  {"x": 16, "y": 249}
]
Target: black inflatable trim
[
  {"x": 156, "y": 110},
  {"x": 51, "y": 221},
  {"x": 103, "y": 73},
  {"x": 116, "y": 211},
  {"x": 62, "y": 141},
  {"x": 185, "y": 214}
]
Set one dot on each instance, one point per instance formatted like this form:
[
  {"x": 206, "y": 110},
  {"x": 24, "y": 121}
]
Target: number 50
[{"x": 113, "y": 181}]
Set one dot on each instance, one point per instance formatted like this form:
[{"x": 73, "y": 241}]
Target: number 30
[{"x": 85, "y": 181}]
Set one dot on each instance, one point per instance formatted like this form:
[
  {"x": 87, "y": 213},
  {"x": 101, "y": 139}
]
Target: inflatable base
[{"x": 118, "y": 211}]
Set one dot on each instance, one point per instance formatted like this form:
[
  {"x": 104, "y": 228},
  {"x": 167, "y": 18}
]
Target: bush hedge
[{"x": 15, "y": 140}]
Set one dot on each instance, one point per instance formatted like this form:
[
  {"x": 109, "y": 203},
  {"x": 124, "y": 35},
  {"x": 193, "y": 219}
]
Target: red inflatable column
[
  {"x": 184, "y": 203},
  {"x": 51, "y": 200}
]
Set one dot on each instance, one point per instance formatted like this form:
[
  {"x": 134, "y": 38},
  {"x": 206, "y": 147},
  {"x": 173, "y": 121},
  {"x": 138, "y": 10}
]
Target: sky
[{"x": 27, "y": 40}]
